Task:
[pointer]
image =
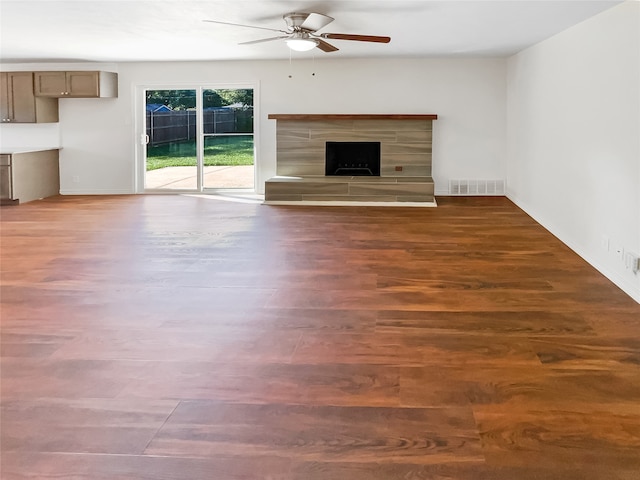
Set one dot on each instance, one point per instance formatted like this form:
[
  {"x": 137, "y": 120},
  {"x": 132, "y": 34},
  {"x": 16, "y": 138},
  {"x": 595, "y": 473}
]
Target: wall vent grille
[{"x": 476, "y": 187}]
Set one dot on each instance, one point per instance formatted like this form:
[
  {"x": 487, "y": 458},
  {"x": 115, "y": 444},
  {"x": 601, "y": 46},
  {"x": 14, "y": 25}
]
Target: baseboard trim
[
  {"x": 328, "y": 203},
  {"x": 97, "y": 192}
]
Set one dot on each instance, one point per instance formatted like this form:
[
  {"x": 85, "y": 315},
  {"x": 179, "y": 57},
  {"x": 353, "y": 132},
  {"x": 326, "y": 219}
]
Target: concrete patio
[{"x": 184, "y": 178}]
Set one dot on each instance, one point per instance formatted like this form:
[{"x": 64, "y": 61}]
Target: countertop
[{"x": 15, "y": 150}]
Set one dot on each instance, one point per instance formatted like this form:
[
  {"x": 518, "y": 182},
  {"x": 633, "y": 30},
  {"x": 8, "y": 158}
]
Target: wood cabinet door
[
  {"x": 22, "y": 103},
  {"x": 5, "y": 177},
  {"x": 83, "y": 84},
  {"x": 4, "y": 97},
  {"x": 50, "y": 84}
]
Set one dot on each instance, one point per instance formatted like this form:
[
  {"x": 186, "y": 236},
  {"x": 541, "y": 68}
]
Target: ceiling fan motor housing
[{"x": 295, "y": 20}]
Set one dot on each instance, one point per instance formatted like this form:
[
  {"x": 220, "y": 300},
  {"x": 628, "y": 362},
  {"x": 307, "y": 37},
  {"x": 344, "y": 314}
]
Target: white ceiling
[{"x": 133, "y": 30}]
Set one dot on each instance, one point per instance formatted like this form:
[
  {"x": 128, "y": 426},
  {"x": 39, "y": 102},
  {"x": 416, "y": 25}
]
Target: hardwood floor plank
[
  {"x": 31, "y": 345},
  {"x": 521, "y": 323},
  {"x": 421, "y": 299},
  {"x": 522, "y": 436},
  {"x": 211, "y": 344},
  {"x": 594, "y": 353},
  {"x": 295, "y": 384},
  {"x": 542, "y": 387},
  {"x": 374, "y": 434},
  {"x": 86, "y": 425},
  {"x": 53, "y": 466},
  {"x": 616, "y": 325},
  {"x": 34, "y": 378},
  {"x": 457, "y": 471},
  {"x": 434, "y": 349},
  {"x": 277, "y": 319}
]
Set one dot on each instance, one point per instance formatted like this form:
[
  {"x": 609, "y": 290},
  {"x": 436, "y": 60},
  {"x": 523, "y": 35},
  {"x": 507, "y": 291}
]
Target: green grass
[{"x": 236, "y": 150}]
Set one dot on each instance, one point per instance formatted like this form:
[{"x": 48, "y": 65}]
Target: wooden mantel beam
[{"x": 350, "y": 116}]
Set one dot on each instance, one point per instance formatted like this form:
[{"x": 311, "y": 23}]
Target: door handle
[{"x": 144, "y": 139}]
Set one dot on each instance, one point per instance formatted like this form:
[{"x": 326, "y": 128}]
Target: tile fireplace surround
[{"x": 405, "y": 159}]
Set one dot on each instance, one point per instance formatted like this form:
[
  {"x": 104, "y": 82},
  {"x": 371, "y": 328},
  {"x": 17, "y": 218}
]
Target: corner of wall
[{"x": 572, "y": 145}]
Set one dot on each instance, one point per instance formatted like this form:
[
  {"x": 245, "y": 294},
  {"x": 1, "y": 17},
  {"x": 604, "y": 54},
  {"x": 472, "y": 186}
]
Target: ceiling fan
[{"x": 301, "y": 33}]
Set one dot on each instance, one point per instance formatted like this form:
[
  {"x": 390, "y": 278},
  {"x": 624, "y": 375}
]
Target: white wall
[
  {"x": 99, "y": 136},
  {"x": 46, "y": 135},
  {"x": 574, "y": 138}
]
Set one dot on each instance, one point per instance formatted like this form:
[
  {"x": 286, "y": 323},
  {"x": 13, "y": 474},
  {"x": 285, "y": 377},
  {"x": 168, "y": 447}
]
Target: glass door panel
[
  {"x": 228, "y": 156},
  {"x": 172, "y": 148}
]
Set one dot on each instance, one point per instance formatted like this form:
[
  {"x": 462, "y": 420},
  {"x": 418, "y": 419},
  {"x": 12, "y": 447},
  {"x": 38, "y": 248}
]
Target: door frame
[{"x": 140, "y": 133}]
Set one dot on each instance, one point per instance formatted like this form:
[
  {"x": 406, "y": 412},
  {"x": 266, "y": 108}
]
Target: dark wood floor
[{"x": 182, "y": 337}]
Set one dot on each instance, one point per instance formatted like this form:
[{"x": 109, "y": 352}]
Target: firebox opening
[{"x": 352, "y": 158}]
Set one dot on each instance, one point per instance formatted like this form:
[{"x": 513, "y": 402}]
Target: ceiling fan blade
[
  {"x": 316, "y": 21},
  {"x": 326, "y": 47},
  {"x": 263, "y": 40},
  {"x": 248, "y": 26},
  {"x": 359, "y": 38}
]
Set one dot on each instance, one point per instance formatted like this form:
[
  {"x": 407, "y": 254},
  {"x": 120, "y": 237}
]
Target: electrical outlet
[
  {"x": 76, "y": 179},
  {"x": 604, "y": 243},
  {"x": 632, "y": 262}
]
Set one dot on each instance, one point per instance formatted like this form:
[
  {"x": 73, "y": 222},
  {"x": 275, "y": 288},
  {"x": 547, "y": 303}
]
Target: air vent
[{"x": 476, "y": 187}]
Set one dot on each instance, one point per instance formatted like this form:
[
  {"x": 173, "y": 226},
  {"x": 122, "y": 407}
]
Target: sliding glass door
[{"x": 198, "y": 139}]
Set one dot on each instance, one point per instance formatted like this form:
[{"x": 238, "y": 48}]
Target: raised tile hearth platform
[
  {"x": 345, "y": 189},
  {"x": 405, "y": 159}
]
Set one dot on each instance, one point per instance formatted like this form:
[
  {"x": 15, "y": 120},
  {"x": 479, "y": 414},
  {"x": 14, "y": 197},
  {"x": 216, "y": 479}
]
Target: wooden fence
[{"x": 180, "y": 125}]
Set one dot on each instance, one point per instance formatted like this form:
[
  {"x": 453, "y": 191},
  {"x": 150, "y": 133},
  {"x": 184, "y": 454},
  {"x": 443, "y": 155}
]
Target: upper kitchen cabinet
[
  {"x": 18, "y": 104},
  {"x": 89, "y": 84}
]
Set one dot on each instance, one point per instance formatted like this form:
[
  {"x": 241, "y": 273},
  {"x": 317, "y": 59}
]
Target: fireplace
[
  {"x": 308, "y": 169},
  {"x": 352, "y": 158}
]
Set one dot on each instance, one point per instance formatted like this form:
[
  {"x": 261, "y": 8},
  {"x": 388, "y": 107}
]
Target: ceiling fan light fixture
[{"x": 302, "y": 44}]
